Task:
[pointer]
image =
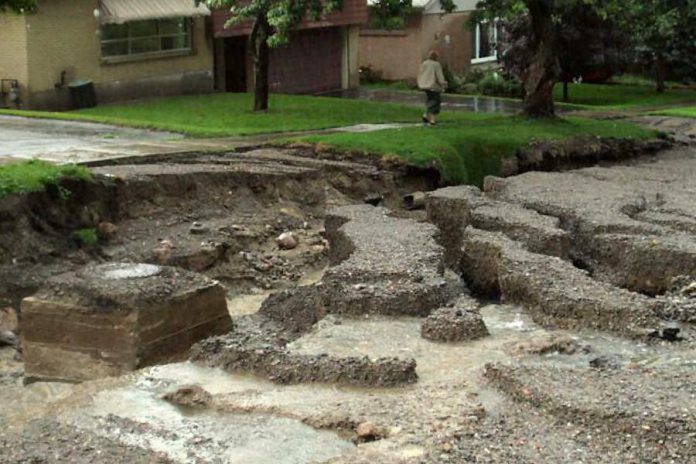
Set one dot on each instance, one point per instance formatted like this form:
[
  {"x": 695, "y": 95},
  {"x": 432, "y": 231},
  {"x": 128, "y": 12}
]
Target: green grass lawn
[
  {"x": 35, "y": 175},
  {"x": 687, "y": 112},
  {"x": 229, "y": 114},
  {"x": 621, "y": 96},
  {"x": 468, "y": 147}
]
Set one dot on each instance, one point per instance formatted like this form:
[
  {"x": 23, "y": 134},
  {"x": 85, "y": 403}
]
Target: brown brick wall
[
  {"x": 311, "y": 63},
  {"x": 398, "y": 55}
]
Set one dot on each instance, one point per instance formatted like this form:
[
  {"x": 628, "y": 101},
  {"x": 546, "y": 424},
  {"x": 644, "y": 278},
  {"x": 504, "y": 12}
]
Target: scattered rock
[
  {"x": 198, "y": 229},
  {"x": 189, "y": 396},
  {"x": 163, "y": 251},
  {"x": 374, "y": 199},
  {"x": 604, "y": 362},
  {"x": 368, "y": 431},
  {"x": 669, "y": 333},
  {"x": 287, "y": 241},
  {"x": 454, "y": 324},
  {"x": 549, "y": 343},
  {"x": 8, "y": 338},
  {"x": 689, "y": 290},
  {"x": 8, "y": 320},
  {"x": 106, "y": 230}
]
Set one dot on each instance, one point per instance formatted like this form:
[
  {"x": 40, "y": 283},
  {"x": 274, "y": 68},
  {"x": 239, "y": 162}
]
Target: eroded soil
[{"x": 589, "y": 356}]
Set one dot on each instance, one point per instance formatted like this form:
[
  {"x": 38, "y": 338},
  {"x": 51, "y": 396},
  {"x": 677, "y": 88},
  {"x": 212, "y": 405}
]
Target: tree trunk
[
  {"x": 566, "y": 94},
  {"x": 259, "y": 45},
  {"x": 544, "y": 68},
  {"x": 660, "y": 72}
]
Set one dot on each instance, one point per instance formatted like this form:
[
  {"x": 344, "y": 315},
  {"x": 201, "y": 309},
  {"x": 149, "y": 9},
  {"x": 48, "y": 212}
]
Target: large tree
[
  {"x": 664, "y": 32},
  {"x": 17, "y": 6},
  {"x": 272, "y": 21},
  {"x": 542, "y": 68},
  {"x": 587, "y": 44}
]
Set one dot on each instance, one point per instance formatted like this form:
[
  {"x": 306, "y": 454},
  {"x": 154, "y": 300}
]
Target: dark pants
[{"x": 432, "y": 102}]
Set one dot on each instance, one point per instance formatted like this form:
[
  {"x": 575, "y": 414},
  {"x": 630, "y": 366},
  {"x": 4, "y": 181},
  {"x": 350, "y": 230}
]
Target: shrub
[
  {"x": 85, "y": 237},
  {"x": 498, "y": 85},
  {"x": 454, "y": 83}
]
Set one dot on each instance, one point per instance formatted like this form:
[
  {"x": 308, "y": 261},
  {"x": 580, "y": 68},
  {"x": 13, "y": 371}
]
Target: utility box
[{"x": 82, "y": 94}]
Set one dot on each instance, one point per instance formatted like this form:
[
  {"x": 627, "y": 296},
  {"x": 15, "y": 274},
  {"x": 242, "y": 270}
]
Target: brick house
[
  {"x": 132, "y": 49},
  {"x": 322, "y": 56},
  {"x": 396, "y": 55}
]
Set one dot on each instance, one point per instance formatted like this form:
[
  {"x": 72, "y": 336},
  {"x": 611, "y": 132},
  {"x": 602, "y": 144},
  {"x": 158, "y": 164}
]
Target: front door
[{"x": 235, "y": 64}]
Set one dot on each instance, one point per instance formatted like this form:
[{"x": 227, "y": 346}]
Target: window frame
[
  {"x": 188, "y": 50},
  {"x": 477, "y": 59}
]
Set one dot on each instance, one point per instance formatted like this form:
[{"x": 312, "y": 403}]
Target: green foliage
[
  {"x": 389, "y": 14},
  {"x": 497, "y": 84},
  {"x": 454, "y": 84},
  {"x": 18, "y": 6},
  {"x": 474, "y": 76},
  {"x": 466, "y": 147},
  {"x": 663, "y": 31},
  {"x": 85, "y": 237},
  {"x": 35, "y": 175},
  {"x": 282, "y": 16}
]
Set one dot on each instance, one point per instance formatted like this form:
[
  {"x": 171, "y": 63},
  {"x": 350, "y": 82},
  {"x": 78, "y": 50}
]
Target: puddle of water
[
  {"x": 242, "y": 305},
  {"x": 400, "y": 337},
  {"x": 437, "y": 362},
  {"x": 136, "y": 416},
  {"x": 215, "y": 381}
]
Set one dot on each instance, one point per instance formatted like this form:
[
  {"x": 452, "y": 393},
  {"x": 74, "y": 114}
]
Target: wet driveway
[{"x": 71, "y": 141}]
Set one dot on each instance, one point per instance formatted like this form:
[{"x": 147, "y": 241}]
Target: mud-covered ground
[{"x": 589, "y": 356}]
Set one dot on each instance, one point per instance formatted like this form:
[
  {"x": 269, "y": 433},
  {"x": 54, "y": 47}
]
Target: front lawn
[
  {"x": 31, "y": 176},
  {"x": 621, "y": 96},
  {"x": 467, "y": 149},
  {"x": 229, "y": 114},
  {"x": 687, "y": 112}
]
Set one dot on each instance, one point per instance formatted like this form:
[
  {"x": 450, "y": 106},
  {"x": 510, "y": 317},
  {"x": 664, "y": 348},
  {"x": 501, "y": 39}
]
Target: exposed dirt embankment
[
  {"x": 218, "y": 214},
  {"x": 578, "y": 152}
]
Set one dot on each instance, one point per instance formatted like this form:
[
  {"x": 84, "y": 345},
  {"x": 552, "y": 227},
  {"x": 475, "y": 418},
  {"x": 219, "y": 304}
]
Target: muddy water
[
  {"x": 255, "y": 421},
  {"x": 137, "y": 416},
  {"x": 509, "y": 326}
]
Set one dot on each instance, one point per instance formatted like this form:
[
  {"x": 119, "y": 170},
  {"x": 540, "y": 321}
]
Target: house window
[
  {"x": 155, "y": 36},
  {"x": 485, "y": 41}
]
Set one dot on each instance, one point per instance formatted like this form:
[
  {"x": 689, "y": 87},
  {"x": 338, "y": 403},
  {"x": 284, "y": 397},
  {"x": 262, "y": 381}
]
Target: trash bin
[{"x": 82, "y": 94}]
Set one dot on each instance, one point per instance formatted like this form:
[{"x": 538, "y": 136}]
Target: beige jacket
[{"x": 430, "y": 76}]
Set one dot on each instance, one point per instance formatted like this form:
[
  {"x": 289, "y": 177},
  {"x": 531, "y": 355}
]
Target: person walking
[{"x": 431, "y": 80}]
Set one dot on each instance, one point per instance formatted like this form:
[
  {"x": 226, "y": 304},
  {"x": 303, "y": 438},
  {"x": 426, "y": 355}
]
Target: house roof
[
  {"x": 121, "y": 11},
  {"x": 433, "y": 6}
]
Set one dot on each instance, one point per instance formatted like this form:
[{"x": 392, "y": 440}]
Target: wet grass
[
  {"x": 470, "y": 147},
  {"x": 35, "y": 175},
  {"x": 608, "y": 96},
  {"x": 688, "y": 112},
  {"x": 229, "y": 114}
]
